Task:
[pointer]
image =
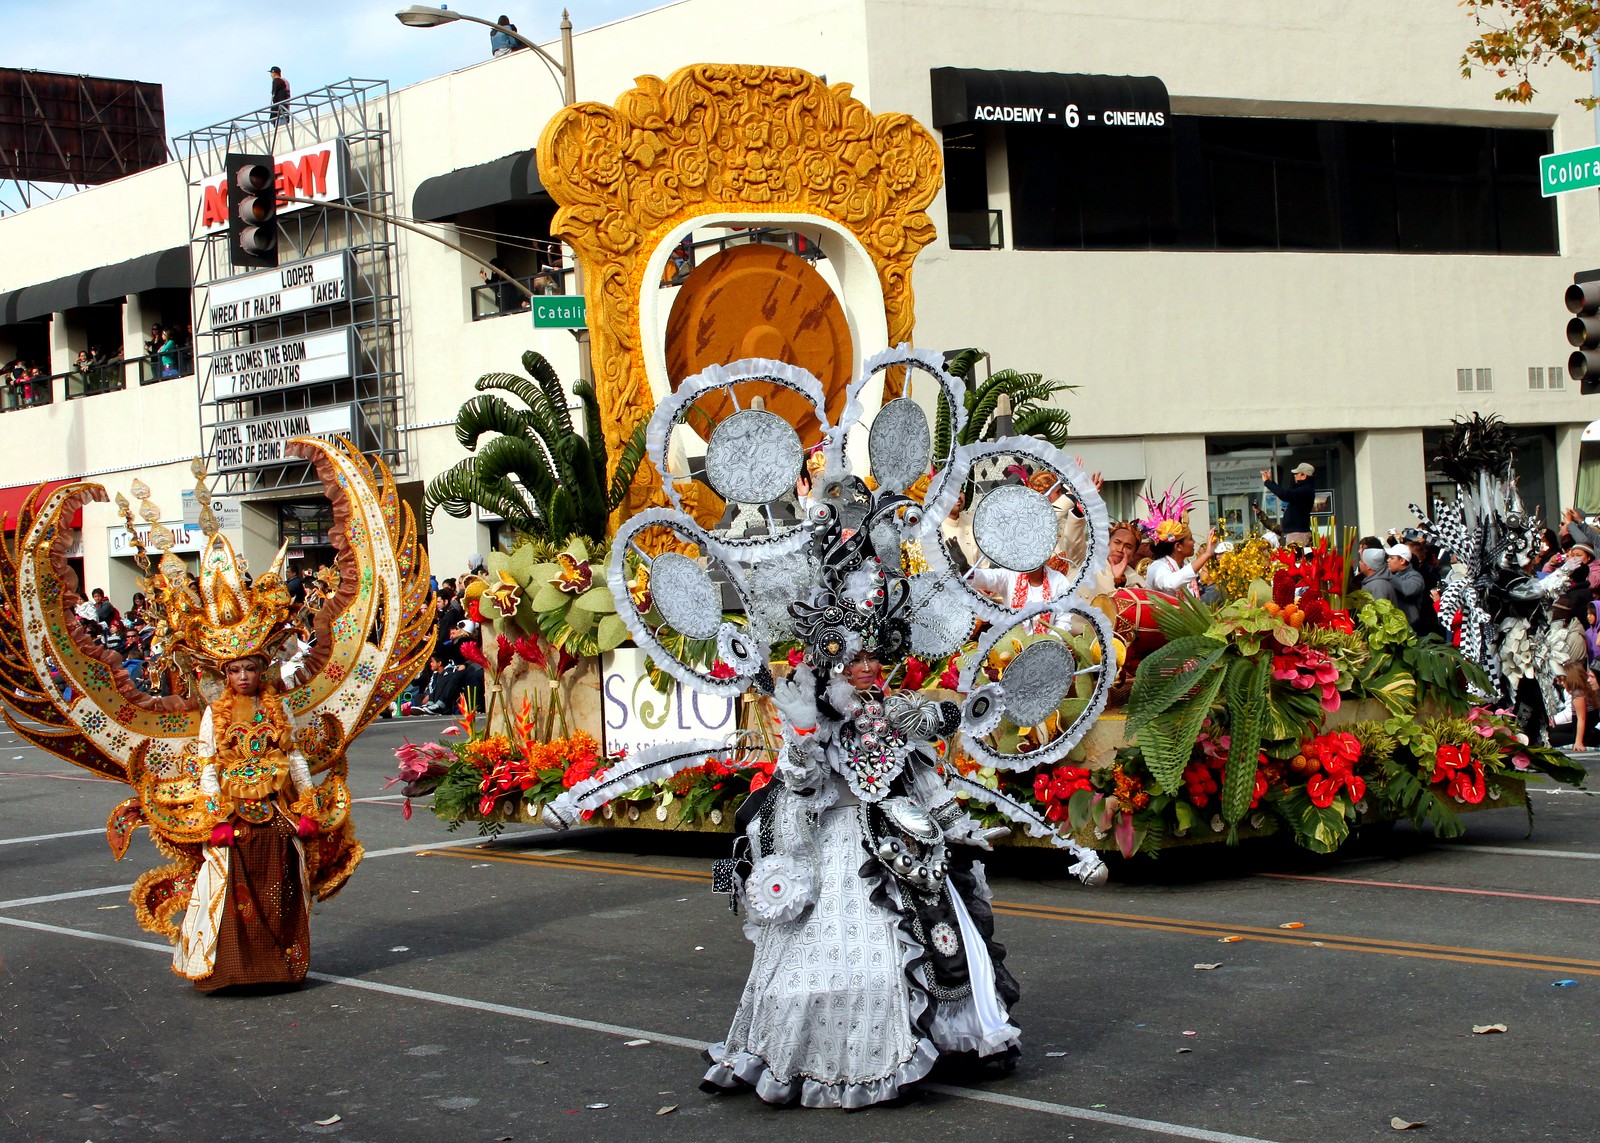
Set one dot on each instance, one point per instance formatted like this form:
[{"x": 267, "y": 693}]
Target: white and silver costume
[{"x": 870, "y": 919}]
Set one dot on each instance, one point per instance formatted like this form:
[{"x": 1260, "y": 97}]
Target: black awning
[
  {"x": 165, "y": 269},
  {"x": 514, "y": 178},
  {"x": 1047, "y": 99},
  {"x": 50, "y": 297}
]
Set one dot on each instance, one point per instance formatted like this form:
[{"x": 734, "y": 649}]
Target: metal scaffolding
[{"x": 356, "y": 113}]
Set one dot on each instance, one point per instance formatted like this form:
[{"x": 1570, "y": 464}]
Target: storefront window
[
  {"x": 307, "y": 527},
  {"x": 1240, "y": 504}
]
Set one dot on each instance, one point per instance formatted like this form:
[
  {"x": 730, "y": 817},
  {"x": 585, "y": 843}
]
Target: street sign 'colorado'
[
  {"x": 271, "y": 293},
  {"x": 1569, "y": 171}
]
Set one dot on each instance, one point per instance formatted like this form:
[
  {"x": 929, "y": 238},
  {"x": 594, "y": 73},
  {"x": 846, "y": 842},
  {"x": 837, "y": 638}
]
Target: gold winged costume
[{"x": 244, "y": 792}]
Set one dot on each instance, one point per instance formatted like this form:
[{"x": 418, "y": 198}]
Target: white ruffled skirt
[{"x": 835, "y": 1012}]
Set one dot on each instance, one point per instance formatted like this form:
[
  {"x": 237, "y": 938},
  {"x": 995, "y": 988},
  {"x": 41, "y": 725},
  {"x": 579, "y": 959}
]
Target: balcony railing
[
  {"x": 28, "y": 393},
  {"x": 498, "y": 298},
  {"x": 95, "y": 379},
  {"x": 165, "y": 366},
  {"x": 109, "y": 377}
]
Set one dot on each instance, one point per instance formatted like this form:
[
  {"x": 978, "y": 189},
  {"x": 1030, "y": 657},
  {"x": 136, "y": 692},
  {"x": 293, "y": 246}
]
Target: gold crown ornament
[{"x": 214, "y": 618}]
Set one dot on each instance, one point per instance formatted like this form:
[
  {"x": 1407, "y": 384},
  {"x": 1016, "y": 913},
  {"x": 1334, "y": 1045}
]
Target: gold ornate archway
[{"x": 725, "y": 139}]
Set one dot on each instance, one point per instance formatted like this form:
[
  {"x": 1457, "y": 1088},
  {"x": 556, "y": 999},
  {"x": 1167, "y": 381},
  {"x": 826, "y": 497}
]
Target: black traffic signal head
[{"x": 252, "y": 186}]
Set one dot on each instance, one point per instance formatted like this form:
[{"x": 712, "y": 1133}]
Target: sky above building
[{"x": 212, "y": 59}]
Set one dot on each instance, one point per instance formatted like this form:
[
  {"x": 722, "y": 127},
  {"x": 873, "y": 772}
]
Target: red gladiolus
[
  {"x": 473, "y": 653},
  {"x": 795, "y": 656},
  {"x": 951, "y": 676},
  {"x": 505, "y": 651}
]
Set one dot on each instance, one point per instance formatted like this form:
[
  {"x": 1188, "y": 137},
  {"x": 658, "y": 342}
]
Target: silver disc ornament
[
  {"x": 753, "y": 457},
  {"x": 1015, "y": 527},
  {"x": 685, "y": 595},
  {"x": 1036, "y": 681},
  {"x": 899, "y": 444}
]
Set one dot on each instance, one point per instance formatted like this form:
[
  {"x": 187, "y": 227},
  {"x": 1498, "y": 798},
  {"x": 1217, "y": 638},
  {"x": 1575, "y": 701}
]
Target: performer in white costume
[{"x": 855, "y": 867}]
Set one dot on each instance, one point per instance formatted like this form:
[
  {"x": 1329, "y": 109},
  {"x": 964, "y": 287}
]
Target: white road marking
[
  {"x": 19, "y": 902},
  {"x": 1571, "y": 854},
  {"x": 1061, "y": 1110},
  {"x": 49, "y": 836},
  {"x": 1155, "y": 1126},
  {"x": 458, "y": 843}
]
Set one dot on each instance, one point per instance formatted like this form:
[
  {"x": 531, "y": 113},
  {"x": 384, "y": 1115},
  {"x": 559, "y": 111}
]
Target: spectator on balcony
[
  {"x": 507, "y": 297},
  {"x": 153, "y": 342},
  {"x": 167, "y": 355},
  {"x": 501, "y": 41}
]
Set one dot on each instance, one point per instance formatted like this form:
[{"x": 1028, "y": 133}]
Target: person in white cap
[
  {"x": 1297, "y": 499},
  {"x": 1410, "y": 589}
]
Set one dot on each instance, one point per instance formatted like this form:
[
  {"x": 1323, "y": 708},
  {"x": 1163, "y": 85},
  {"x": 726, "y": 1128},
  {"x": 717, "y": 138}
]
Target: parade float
[{"x": 655, "y": 553}]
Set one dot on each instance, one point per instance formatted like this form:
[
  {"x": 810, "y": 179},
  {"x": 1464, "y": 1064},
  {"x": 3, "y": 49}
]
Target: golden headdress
[{"x": 217, "y": 618}]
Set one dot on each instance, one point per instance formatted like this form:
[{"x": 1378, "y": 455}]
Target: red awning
[{"x": 11, "y": 502}]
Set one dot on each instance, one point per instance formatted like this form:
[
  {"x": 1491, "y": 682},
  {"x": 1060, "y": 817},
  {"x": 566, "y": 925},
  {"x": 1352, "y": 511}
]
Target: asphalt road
[{"x": 490, "y": 993}]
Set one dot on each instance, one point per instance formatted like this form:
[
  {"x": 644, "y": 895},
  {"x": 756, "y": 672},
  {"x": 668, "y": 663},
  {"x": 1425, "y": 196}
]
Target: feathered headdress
[{"x": 1167, "y": 516}]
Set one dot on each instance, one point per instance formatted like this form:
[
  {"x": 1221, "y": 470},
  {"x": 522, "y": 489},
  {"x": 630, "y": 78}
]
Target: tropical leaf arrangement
[
  {"x": 1230, "y": 723},
  {"x": 1031, "y": 396},
  {"x": 535, "y": 470}
]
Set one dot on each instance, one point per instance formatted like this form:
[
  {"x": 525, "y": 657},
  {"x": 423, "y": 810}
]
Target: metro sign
[{"x": 316, "y": 172}]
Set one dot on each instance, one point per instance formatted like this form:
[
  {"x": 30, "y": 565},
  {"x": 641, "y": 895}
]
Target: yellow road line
[{"x": 1499, "y": 958}]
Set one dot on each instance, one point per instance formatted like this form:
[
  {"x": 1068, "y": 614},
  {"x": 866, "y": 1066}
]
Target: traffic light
[
  {"x": 252, "y": 210},
  {"x": 1583, "y": 331}
]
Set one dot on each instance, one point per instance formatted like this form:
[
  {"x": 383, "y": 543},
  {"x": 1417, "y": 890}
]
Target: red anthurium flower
[
  {"x": 721, "y": 670},
  {"x": 795, "y": 656},
  {"x": 916, "y": 673},
  {"x": 951, "y": 676}
]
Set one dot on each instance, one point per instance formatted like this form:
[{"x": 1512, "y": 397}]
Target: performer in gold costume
[{"x": 239, "y": 772}]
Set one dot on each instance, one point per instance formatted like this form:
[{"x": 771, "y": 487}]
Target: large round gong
[{"x": 760, "y": 300}]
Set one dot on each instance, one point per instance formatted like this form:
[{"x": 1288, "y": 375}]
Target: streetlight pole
[
  {"x": 403, "y": 224},
  {"x": 423, "y": 16}
]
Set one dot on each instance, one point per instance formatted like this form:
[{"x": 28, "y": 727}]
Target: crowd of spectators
[
  {"x": 455, "y": 669},
  {"x": 169, "y": 351}
]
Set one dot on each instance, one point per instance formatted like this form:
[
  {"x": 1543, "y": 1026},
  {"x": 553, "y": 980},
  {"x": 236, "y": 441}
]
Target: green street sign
[
  {"x": 1569, "y": 171},
  {"x": 560, "y": 312}
]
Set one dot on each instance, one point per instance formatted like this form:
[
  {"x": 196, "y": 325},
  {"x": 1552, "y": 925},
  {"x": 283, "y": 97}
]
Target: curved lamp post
[{"x": 424, "y": 16}]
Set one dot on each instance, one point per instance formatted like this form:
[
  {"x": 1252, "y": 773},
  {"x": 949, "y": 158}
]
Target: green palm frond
[
  {"x": 1047, "y": 424},
  {"x": 488, "y": 414},
  {"x": 627, "y": 466},
  {"x": 457, "y": 489},
  {"x": 962, "y": 363},
  {"x": 542, "y": 372}
]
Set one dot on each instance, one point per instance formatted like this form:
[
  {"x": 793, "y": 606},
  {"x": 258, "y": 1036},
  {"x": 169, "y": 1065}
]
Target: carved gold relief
[{"x": 719, "y": 140}]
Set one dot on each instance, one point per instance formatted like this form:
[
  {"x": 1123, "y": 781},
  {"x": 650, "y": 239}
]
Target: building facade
[{"x": 1250, "y": 235}]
